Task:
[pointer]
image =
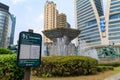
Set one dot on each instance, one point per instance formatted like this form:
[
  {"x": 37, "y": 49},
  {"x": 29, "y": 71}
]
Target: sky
[{"x": 30, "y": 13}]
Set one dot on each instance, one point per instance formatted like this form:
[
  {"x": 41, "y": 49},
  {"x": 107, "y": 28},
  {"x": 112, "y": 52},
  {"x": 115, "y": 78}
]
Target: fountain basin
[
  {"x": 61, "y": 38},
  {"x": 60, "y": 32}
]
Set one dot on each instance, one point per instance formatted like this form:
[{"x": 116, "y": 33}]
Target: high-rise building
[
  {"x": 112, "y": 18},
  {"x": 50, "y": 17},
  {"x": 98, "y": 30},
  {"x": 87, "y": 20},
  {"x": 5, "y": 25},
  {"x": 61, "y": 20},
  {"x": 12, "y": 29}
]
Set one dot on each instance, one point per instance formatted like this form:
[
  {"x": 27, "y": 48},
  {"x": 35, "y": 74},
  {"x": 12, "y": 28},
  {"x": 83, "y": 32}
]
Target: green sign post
[{"x": 29, "y": 49}]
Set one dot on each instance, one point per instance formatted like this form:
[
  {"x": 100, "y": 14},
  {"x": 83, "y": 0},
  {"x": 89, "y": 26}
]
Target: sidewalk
[{"x": 114, "y": 77}]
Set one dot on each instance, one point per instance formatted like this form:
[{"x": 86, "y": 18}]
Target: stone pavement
[{"x": 114, "y": 77}]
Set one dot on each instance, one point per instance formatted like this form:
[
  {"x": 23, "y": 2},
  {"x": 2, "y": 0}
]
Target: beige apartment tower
[
  {"x": 50, "y": 17},
  {"x": 61, "y": 20}
]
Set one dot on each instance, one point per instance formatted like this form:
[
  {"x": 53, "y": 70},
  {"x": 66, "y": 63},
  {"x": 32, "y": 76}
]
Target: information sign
[{"x": 29, "y": 49}]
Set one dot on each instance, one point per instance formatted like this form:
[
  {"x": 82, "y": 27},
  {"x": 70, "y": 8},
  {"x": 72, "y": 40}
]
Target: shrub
[
  {"x": 114, "y": 64},
  {"x": 104, "y": 68},
  {"x": 66, "y": 66},
  {"x": 9, "y": 69},
  {"x": 5, "y": 51}
]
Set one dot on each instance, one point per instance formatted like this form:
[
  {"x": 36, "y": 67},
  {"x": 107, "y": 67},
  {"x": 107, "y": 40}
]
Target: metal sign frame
[{"x": 29, "y": 49}]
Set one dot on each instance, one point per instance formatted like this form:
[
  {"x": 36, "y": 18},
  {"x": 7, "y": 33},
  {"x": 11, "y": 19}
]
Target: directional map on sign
[
  {"x": 34, "y": 52},
  {"x": 31, "y": 52}
]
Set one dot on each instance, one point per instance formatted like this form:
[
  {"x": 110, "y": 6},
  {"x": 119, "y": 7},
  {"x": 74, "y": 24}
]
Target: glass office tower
[
  {"x": 87, "y": 18},
  {"x": 5, "y": 25},
  {"x": 12, "y": 29},
  {"x": 98, "y": 30},
  {"x": 113, "y": 23}
]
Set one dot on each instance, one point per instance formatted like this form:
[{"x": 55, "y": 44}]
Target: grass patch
[{"x": 99, "y": 76}]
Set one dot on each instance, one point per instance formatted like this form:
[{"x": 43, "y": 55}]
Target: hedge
[
  {"x": 114, "y": 64},
  {"x": 5, "y": 51},
  {"x": 9, "y": 69},
  {"x": 104, "y": 68},
  {"x": 53, "y": 66}
]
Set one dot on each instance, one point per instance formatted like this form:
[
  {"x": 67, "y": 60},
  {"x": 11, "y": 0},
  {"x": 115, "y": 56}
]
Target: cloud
[{"x": 17, "y": 1}]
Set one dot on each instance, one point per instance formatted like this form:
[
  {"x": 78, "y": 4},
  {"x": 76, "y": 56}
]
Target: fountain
[
  {"x": 84, "y": 50},
  {"x": 108, "y": 52},
  {"x": 61, "y": 38}
]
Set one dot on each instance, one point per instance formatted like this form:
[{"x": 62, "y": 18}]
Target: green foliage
[
  {"x": 66, "y": 66},
  {"x": 104, "y": 68},
  {"x": 5, "y": 51},
  {"x": 114, "y": 64},
  {"x": 46, "y": 75},
  {"x": 8, "y": 68}
]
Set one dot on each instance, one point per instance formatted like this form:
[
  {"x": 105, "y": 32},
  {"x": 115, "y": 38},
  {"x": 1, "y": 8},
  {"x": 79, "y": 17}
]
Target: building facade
[
  {"x": 61, "y": 20},
  {"x": 12, "y": 29},
  {"x": 98, "y": 30},
  {"x": 87, "y": 20},
  {"x": 50, "y": 17},
  {"x": 112, "y": 17},
  {"x": 5, "y": 25}
]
